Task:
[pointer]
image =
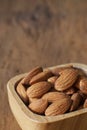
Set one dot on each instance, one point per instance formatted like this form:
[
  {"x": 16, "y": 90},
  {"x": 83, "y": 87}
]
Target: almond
[
  {"x": 83, "y": 85},
  {"x": 32, "y": 99},
  {"x": 54, "y": 96},
  {"x": 77, "y": 83},
  {"x": 76, "y": 98},
  {"x": 52, "y": 79},
  {"x": 66, "y": 79},
  {"x": 21, "y": 90},
  {"x": 56, "y": 71},
  {"x": 58, "y": 107},
  {"x": 39, "y": 106},
  {"x": 70, "y": 91},
  {"x": 32, "y": 73},
  {"x": 38, "y": 89},
  {"x": 43, "y": 76},
  {"x": 83, "y": 96},
  {"x": 54, "y": 91},
  {"x": 85, "y": 104}
]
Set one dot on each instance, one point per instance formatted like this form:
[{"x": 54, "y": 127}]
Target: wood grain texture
[
  {"x": 38, "y": 33},
  {"x": 29, "y": 120}
]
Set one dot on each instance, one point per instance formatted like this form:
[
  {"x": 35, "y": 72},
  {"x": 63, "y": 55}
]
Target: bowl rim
[{"x": 38, "y": 118}]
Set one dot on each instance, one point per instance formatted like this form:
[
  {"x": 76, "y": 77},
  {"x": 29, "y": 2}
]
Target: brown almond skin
[
  {"x": 56, "y": 71},
  {"x": 76, "y": 98},
  {"x": 83, "y": 96},
  {"x": 32, "y": 99},
  {"x": 21, "y": 90},
  {"x": 31, "y": 74},
  {"x": 85, "y": 104},
  {"x": 83, "y": 85},
  {"x": 66, "y": 79},
  {"x": 70, "y": 91},
  {"x": 54, "y": 96},
  {"x": 39, "y": 106},
  {"x": 43, "y": 76},
  {"x": 37, "y": 90},
  {"x": 58, "y": 107},
  {"x": 77, "y": 83},
  {"x": 52, "y": 79}
]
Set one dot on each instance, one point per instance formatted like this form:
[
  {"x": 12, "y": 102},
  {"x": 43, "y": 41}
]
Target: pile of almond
[{"x": 54, "y": 91}]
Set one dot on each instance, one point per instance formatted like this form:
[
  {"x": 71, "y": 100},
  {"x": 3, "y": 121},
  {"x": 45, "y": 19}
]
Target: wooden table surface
[{"x": 38, "y": 33}]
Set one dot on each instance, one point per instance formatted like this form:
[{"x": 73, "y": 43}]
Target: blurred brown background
[{"x": 38, "y": 32}]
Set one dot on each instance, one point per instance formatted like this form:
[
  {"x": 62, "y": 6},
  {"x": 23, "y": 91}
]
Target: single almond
[
  {"x": 56, "y": 71},
  {"x": 43, "y": 76},
  {"x": 58, "y": 107},
  {"x": 83, "y": 96},
  {"x": 70, "y": 91},
  {"x": 77, "y": 83},
  {"x": 66, "y": 79},
  {"x": 31, "y": 74},
  {"x": 76, "y": 98},
  {"x": 39, "y": 106},
  {"x": 37, "y": 90},
  {"x": 83, "y": 85},
  {"x": 54, "y": 96},
  {"x": 85, "y": 104},
  {"x": 21, "y": 90},
  {"x": 52, "y": 79}
]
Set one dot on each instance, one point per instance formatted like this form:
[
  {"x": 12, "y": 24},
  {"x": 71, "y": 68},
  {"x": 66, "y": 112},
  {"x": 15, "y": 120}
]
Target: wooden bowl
[{"x": 28, "y": 120}]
